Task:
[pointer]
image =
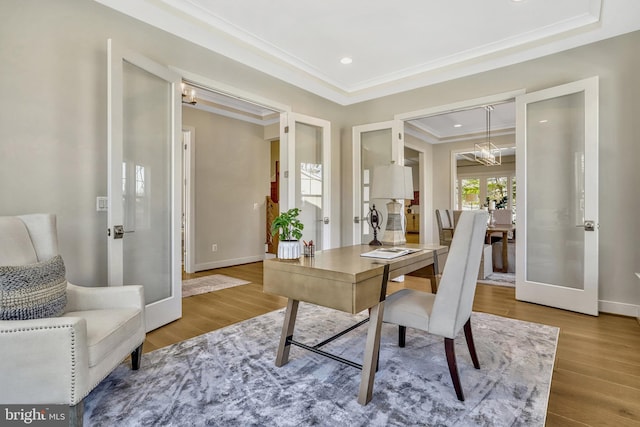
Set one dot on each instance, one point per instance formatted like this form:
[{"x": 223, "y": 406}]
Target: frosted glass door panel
[
  {"x": 557, "y": 222},
  {"x": 309, "y": 176},
  {"x": 375, "y": 150},
  {"x": 146, "y": 184},
  {"x": 555, "y": 191}
]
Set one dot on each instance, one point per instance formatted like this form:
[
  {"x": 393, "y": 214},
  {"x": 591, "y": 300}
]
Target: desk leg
[
  {"x": 371, "y": 350},
  {"x": 287, "y": 331}
]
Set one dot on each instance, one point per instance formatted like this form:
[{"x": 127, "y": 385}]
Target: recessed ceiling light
[
  {"x": 544, "y": 121},
  {"x": 346, "y": 60},
  {"x": 457, "y": 125}
]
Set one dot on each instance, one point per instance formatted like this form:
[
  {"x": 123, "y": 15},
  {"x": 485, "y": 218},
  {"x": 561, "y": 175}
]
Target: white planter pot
[{"x": 289, "y": 249}]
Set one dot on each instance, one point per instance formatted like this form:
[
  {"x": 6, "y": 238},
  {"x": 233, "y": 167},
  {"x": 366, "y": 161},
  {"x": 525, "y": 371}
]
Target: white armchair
[
  {"x": 59, "y": 360},
  {"x": 448, "y": 311}
]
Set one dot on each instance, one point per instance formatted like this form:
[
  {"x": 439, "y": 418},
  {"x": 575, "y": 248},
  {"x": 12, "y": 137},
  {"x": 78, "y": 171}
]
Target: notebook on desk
[{"x": 389, "y": 253}]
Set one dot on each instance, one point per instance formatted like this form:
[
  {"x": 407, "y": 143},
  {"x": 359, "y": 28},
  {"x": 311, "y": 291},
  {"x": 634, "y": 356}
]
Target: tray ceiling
[{"x": 394, "y": 46}]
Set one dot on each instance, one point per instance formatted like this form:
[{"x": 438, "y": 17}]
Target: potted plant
[{"x": 289, "y": 230}]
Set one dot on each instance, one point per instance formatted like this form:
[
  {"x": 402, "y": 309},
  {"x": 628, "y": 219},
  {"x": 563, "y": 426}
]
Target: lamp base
[{"x": 394, "y": 233}]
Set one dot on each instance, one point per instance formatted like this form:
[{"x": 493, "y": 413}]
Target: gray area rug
[
  {"x": 500, "y": 279},
  {"x": 213, "y": 282},
  {"x": 228, "y": 378}
]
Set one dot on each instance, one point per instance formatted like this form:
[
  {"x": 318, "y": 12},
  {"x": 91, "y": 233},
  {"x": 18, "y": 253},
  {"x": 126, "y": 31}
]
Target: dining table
[{"x": 505, "y": 229}]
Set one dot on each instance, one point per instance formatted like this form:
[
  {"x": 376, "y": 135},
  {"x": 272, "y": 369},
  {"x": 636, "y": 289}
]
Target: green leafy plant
[
  {"x": 500, "y": 203},
  {"x": 287, "y": 225}
]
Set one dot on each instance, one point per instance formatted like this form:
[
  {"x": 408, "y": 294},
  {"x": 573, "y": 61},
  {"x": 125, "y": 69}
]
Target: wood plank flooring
[{"x": 596, "y": 378}]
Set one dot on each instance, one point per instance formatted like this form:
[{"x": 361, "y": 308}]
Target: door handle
[
  {"x": 118, "y": 231},
  {"x": 325, "y": 220},
  {"x": 588, "y": 225},
  {"x": 356, "y": 219}
]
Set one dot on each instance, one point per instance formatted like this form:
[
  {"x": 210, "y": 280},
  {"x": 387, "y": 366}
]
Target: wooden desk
[
  {"x": 343, "y": 280},
  {"x": 504, "y": 229}
]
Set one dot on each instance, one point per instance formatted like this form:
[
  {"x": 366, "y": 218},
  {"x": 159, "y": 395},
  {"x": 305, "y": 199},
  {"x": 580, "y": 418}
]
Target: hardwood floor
[{"x": 596, "y": 378}]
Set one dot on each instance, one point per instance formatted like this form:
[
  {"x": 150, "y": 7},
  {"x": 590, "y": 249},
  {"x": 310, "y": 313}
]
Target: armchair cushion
[
  {"x": 33, "y": 291},
  {"x": 106, "y": 329}
]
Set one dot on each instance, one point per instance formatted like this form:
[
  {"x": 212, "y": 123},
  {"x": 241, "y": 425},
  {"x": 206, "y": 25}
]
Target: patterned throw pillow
[{"x": 33, "y": 291}]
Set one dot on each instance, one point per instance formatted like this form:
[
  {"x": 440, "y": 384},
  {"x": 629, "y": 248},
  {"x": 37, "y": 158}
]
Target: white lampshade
[{"x": 392, "y": 182}]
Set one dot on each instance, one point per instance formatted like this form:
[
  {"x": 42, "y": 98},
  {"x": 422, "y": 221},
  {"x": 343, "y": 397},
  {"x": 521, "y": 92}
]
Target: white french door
[
  {"x": 557, "y": 175},
  {"x": 373, "y": 144},
  {"x": 144, "y": 185},
  {"x": 306, "y": 162}
]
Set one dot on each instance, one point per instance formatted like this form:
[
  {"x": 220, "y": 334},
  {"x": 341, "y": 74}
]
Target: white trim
[
  {"x": 231, "y": 91},
  {"x": 611, "y": 24},
  {"x": 189, "y": 175},
  {"x": 459, "y": 105},
  {"x": 228, "y": 262},
  {"x": 620, "y": 308}
]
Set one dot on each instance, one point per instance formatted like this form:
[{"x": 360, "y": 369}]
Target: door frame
[
  {"x": 287, "y": 167},
  {"x": 581, "y": 300},
  {"x": 425, "y": 186},
  {"x": 285, "y": 112},
  {"x": 188, "y": 174},
  {"x": 157, "y": 313},
  {"x": 397, "y": 155}
]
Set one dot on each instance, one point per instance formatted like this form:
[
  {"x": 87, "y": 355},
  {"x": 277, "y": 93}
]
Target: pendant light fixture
[{"x": 487, "y": 153}]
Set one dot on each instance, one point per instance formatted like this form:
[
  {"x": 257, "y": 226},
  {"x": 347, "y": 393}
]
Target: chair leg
[
  {"x": 136, "y": 356},
  {"x": 472, "y": 347},
  {"x": 453, "y": 367},
  {"x": 402, "y": 335},
  {"x": 76, "y": 414}
]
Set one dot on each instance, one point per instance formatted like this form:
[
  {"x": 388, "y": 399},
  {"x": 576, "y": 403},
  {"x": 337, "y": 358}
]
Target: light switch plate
[{"x": 102, "y": 204}]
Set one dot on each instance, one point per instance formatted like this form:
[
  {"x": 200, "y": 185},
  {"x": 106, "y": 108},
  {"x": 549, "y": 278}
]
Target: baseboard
[
  {"x": 620, "y": 308},
  {"x": 228, "y": 262}
]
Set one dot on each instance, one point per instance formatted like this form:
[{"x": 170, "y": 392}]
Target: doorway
[
  {"x": 454, "y": 136},
  {"x": 230, "y": 177},
  {"x": 412, "y": 207}
]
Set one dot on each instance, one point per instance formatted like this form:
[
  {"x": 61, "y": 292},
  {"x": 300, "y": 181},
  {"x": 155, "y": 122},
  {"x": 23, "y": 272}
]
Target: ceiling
[
  {"x": 465, "y": 124},
  {"x": 394, "y": 46}
]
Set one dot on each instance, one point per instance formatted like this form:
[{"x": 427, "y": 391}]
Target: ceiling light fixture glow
[
  {"x": 346, "y": 60},
  {"x": 457, "y": 125}
]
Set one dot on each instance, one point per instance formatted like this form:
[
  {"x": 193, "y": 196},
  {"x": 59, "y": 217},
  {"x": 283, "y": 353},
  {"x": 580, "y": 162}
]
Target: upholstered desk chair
[
  {"x": 448, "y": 311},
  {"x": 84, "y": 334}
]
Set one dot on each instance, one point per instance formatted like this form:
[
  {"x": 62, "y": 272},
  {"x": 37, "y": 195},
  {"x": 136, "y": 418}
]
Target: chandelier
[{"x": 487, "y": 153}]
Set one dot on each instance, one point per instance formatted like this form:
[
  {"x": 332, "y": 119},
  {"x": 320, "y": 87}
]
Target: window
[{"x": 472, "y": 191}]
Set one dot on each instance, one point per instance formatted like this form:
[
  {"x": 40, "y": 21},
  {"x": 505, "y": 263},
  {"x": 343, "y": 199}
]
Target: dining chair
[
  {"x": 448, "y": 311},
  {"x": 445, "y": 226}
]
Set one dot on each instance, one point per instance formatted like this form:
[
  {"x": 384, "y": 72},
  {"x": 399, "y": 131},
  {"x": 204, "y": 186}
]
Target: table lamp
[{"x": 392, "y": 182}]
